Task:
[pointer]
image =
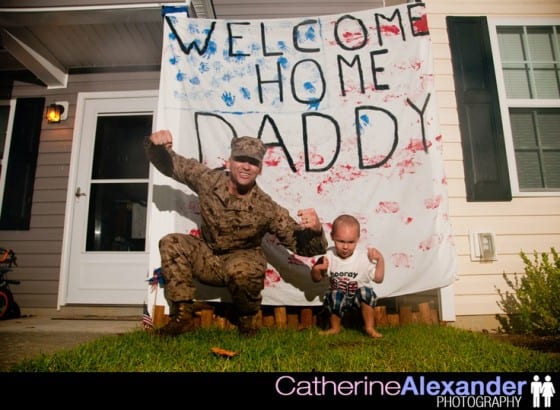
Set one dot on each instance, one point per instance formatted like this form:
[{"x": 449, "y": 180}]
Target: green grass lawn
[{"x": 411, "y": 348}]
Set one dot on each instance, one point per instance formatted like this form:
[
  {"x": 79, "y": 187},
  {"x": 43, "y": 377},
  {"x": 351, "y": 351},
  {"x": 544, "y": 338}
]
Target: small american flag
[
  {"x": 147, "y": 321},
  {"x": 156, "y": 279}
]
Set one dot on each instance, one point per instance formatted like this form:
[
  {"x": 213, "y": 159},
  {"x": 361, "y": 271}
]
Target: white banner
[{"x": 347, "y": 107}]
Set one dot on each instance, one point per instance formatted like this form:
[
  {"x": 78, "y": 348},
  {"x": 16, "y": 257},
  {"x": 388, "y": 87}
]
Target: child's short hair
[{"x": 345, "y": 219}]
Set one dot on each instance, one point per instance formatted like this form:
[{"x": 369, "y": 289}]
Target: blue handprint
[{"x": 228, "y": 98}]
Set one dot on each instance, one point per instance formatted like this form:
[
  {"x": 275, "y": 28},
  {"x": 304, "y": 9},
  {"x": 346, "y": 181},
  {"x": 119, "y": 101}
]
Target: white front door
[{"x": 107, "y": 246}]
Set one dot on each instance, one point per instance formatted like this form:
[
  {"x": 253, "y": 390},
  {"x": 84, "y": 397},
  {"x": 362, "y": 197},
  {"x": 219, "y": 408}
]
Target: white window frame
[
  {"x": 4, "y": 160},
  {"x": 506, "y": 104}
]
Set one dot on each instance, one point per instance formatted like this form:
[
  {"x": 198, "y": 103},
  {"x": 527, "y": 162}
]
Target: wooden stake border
[{"x": 303, "y": 317}]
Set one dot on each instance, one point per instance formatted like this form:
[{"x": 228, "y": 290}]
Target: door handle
[{"x": 79, "y": 193}]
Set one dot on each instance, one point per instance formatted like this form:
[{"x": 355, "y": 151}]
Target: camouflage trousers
[{"x": 185, "y": 258}]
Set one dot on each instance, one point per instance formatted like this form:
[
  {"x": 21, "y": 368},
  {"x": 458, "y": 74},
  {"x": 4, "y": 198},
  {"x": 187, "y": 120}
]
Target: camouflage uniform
[{"x": 229, "y": 251}]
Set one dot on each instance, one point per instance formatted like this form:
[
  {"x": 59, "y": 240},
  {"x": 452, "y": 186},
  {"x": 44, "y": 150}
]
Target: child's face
[{"x": 345, "y": 239}]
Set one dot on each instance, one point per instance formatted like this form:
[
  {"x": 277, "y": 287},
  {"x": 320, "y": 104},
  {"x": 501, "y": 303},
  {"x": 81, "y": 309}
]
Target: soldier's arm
[
  {"x": 160, "y": 153},
  {"x": 319, "y": 269},
  {"x": 304, "y": 238}
]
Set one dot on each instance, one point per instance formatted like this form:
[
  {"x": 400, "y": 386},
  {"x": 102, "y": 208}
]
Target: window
[
  {"x": 18, "y": 174},
  {"x": 6, "y": 120},
  {"x": 527, "y": 61}
]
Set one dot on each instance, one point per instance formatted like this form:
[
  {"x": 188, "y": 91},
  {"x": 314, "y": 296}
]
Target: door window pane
[
  {"x": 119, "y": 152},
  {"x": 117, "y": 217}
]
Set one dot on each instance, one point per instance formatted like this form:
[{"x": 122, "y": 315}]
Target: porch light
[{"x": 57, "y": 112}]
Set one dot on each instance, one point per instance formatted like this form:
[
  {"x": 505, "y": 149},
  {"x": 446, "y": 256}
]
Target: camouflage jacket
[{"x": 230, "y": 222}]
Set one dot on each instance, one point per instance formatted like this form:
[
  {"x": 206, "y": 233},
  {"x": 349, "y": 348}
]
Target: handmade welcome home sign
[{"x": 346, "y": 106}]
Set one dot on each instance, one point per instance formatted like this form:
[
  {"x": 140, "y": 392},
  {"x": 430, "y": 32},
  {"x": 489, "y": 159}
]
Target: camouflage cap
[{"x": 248, "y": 147}]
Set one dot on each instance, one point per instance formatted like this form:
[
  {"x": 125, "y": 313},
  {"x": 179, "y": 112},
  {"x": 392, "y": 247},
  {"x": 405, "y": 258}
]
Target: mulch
[{"x": 546, "y": 344}]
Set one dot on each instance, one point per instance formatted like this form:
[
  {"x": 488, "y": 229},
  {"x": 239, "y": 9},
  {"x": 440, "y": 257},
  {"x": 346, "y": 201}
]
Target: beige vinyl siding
[
  {"x": 438, "y": 9},
  {"x": 39, "y": 249},
  {"x": 524, "y": 224}
]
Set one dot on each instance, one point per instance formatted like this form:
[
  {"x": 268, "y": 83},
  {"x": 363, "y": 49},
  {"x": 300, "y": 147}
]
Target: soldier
[{"x": 236, "y": 214}]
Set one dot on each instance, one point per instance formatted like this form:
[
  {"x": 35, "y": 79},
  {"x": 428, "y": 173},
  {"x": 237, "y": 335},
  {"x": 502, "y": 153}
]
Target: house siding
[
  {"x": 525, "y": 224},
  {"x": 39, "y": 249}
]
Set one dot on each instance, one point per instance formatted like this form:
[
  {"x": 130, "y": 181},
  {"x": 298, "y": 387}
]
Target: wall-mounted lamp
[{"x": 58, "y": 111}]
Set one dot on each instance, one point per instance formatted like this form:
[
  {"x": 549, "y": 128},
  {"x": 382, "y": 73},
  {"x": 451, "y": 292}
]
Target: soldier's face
[{"x": 244, "y": 171}]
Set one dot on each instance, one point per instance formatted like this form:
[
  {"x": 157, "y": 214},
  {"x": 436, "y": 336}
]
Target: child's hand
[
  {"x": 374, "y": 255},
  {"x": 376, "y": 258}
]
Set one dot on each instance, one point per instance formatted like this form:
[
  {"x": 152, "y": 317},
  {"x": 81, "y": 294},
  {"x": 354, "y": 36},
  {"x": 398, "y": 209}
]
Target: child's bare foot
[
  {"x": 329, "y": 332},
  {"x": 373, "y": 333}
]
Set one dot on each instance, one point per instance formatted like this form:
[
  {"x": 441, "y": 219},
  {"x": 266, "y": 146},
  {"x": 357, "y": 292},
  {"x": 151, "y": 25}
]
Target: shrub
[{"x": 533, "y": 307}]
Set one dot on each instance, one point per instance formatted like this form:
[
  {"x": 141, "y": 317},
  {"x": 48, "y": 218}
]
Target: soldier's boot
[
  {"x": 248, "y": 325},
  {"x": 180, "y": 319}
]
